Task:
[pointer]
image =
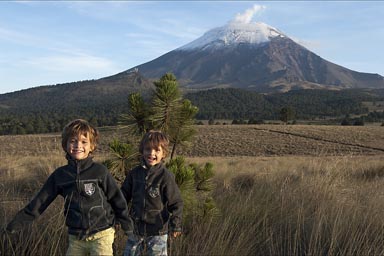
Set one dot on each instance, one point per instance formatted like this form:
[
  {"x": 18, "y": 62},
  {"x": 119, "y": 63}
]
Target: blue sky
[{"x": 53, "y": 42}]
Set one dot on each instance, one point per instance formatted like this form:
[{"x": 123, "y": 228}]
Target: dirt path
[{"x": 322, "y": 139}]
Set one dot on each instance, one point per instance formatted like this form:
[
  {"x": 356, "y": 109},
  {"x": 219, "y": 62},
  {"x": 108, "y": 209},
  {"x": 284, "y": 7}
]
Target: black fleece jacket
[
  {"x": 156, "y": 200},
  {"x": 93, "y": 201}
]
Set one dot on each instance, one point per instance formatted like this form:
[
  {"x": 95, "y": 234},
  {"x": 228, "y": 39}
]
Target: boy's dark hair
[
  {"x": 80, "y": 127},
  {"x": 155, "y": 139}
]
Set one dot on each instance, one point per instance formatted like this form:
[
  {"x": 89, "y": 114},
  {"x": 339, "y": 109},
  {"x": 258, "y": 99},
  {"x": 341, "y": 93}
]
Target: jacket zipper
[
  {"x": 145, "y": 212},
  {"x": 79, "y": 189}
]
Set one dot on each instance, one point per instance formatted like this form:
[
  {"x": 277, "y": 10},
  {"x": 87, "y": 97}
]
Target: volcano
[{"x": 253, "y": 56}]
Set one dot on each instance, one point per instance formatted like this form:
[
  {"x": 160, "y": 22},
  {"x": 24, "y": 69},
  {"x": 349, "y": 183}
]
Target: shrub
[
  {"x": 358, "y": 122},
  {"x": 345, "y": 122}
]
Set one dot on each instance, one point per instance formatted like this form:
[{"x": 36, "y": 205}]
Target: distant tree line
[
  {"x": 38, "y": 114},
  {"x": 307, "y": 104},
  {"x": 51, "y": 120},
  {"x": 371, "y": 117}
]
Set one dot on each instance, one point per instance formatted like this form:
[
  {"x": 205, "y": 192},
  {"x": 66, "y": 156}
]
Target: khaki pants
[{"x": 96, "y": 244}]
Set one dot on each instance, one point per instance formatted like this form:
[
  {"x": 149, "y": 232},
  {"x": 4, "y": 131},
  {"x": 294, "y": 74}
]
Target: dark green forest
[
  {"x": 49, "y": 108},
  {"x": 307, "y": 104}
]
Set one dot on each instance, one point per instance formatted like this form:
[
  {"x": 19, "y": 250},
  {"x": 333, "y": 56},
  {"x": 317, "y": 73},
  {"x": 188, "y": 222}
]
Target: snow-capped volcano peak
[{"x": 234, "y": 33}]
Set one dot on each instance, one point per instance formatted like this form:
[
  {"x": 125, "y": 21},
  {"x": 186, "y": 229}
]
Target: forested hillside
[
  {"x": 232, "y": 104},
  {"x": 307, "y": 104},
  {"x": 49, "y": 108}
]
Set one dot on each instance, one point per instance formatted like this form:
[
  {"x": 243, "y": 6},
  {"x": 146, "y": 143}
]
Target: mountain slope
[
  {"x": 48, "y": 108},
  {"x": 110, "y": 91},
  {"x": 254, "y": 56}
]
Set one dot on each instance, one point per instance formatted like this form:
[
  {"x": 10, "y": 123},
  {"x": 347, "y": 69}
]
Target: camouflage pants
[{"x": 151, "y": 246}]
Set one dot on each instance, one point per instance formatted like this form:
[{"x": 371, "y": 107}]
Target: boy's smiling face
[
  {"x": 153, "y": 155},
  {"x": 79, "y": 147}
]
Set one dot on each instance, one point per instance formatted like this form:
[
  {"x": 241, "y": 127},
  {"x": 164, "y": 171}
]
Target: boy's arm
[
  {"x": 126, "y": 188},
  {"x": 175, "y": 205},
  {"x": 35, "y": 207},
  {"x": 119, "y": 205}
]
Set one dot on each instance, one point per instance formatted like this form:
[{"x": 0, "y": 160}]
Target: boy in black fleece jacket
[
  {"x": 93, "y": 201},
  {"x": 157, "y": 205}
]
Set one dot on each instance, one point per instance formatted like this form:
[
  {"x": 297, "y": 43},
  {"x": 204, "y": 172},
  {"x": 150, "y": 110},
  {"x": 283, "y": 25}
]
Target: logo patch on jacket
[
  {"x": 89, "y": 188},
  {"x": 154, "y": 192}
]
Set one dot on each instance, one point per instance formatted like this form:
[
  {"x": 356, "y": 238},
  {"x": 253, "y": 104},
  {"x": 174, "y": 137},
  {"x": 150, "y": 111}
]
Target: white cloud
[
  {"x": 33, "y": 41},
  {"x": 246, "y": 17},
  {"x": 79, "y": 63},
  {"x": 17, "y": 37}
]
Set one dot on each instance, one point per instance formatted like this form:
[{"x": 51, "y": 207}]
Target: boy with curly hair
[{"x": 93, "y": 200}]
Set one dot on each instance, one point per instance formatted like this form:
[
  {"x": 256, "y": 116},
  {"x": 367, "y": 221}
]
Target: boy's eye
[{"x": 150, "y": 149}]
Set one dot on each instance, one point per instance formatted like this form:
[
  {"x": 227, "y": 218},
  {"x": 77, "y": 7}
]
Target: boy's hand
[
  {"x": 175, "y": 234},
  {"x": 8, "y": 234},
  {"x": 117, "y": 227}
]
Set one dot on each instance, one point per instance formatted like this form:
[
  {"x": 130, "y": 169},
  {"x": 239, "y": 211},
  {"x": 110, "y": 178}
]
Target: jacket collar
[
  {"x": 80, "y": 164},
  {"x": 151, "y": 168}
]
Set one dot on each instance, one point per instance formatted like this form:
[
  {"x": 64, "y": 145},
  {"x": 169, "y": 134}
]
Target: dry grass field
[
  {"x": 237, "y": 140},
  {"x": 280, "y": 190},
  {"x": 281, "y": 140}
]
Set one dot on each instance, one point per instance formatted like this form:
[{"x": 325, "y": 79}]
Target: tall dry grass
[
  {"x": 293, "y": 206},
  {"x": 22, "y": 177},
  {"x": 268, "y": 206}
]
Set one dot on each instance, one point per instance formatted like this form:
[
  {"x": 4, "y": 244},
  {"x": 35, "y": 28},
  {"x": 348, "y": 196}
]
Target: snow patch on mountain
[{"x": 234, "y": 33}]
